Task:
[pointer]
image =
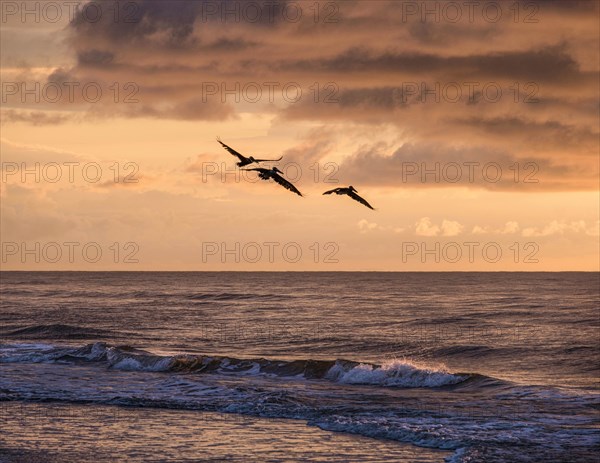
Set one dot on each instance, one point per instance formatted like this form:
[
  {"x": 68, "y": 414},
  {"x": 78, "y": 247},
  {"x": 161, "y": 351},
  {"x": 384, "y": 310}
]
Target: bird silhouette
[
  {"x": 350, "y": 191},
  {"x": 274, "y": 174},
  {"x": 243, "y": 160}
]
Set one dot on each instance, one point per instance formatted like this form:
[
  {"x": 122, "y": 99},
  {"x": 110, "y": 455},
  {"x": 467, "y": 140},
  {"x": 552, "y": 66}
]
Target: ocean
[{"x": 299, "y": 366}]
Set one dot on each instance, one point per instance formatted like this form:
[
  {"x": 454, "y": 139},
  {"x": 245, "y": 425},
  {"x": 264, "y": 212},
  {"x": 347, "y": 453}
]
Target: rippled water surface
[{"x": 485, "y": 366}]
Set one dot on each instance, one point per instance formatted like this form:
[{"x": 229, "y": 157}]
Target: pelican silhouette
[
  {"x": 244, "y": 161},
  {"x": 273, "y": 173},
  {"x": 350, "y": 191}
]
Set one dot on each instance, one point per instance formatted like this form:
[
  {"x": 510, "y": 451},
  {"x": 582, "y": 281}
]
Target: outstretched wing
[
  {"x": 355, "y": 197},
  {"x": 241, "y": 157},
  {"x": 268, "y": 160},
  {"x": 335, "y": 190},
  {"x": 262, "y": 170},
  {"x": 284, "y": 183}
]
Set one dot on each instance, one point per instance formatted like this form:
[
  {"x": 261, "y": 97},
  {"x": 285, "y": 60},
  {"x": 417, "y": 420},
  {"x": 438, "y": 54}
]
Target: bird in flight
[
  {"x": 273, "y": 173},
  {"x": 350, "y": 191},
  {"x": 244, "y": 161}
]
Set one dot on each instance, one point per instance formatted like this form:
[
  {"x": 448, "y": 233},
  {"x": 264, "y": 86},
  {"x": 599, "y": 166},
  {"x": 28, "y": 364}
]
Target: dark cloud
[
  {"x": 95, "y": 57},
  {"x": 548, "y": 64},
  {"x": 138, "y": 19},
  {"x": 582, "y": 7},
  {"x": 428, "y": 165},
  {"x": 369, "y": 55},
  {"x": 547, "y": 134},
  {"x": 227, "y": 44},
  {"x": 59, "y": 76},
  {"x": 174, "y": 20}
]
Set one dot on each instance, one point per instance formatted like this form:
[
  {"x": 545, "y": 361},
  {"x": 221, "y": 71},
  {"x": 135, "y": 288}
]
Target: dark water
[{"x": 493, "y": 366}]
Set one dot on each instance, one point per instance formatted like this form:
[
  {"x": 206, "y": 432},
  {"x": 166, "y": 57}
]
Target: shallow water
[{"x": 62, "y": 433}]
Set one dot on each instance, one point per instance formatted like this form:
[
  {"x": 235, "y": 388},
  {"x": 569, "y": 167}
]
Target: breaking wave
[{"x": 395, "y": 373}]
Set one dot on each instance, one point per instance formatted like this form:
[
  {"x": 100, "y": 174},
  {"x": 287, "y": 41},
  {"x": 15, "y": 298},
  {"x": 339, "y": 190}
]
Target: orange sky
[{"x": 475, "y": 135}]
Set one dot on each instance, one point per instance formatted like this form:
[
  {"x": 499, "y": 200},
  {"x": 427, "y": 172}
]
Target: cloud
[
  {"x": 508, "y": 228},
  {"x": 218, "y": 41},
  {"x": 35, "y": 118},
  {"x": 95, "y": 57},
  {"x": 557, "y": 227},
  {"x": 434, "y": 165},
  {"x": 451, "y": 228},
  {"x": 549, "y": 64},
  {"x": 354, "y": 72},
  {"x": 315, "y": 145},
  {"x": 424, "y": 227},
  {"x": 365, "y": 226}
]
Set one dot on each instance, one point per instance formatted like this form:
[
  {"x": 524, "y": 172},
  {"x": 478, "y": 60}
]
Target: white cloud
[
  {"x": 424, "y": 227},
  {"x": 477, "y": 230},
  {"x": 559, "y": 228},
  {"x": 451, "y": 228},
  {"x": 509, "y": 228},
  {"x": 365, "y": 226}
]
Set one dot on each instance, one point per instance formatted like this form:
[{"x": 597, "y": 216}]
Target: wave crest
[{"x": 395, "y": 373}]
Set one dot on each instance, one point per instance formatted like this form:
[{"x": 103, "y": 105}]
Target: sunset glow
[{"x": 458, "y": 127}]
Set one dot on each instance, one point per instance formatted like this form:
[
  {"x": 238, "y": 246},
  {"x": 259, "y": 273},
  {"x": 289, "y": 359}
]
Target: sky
[{"x": 471, "y": 127}]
